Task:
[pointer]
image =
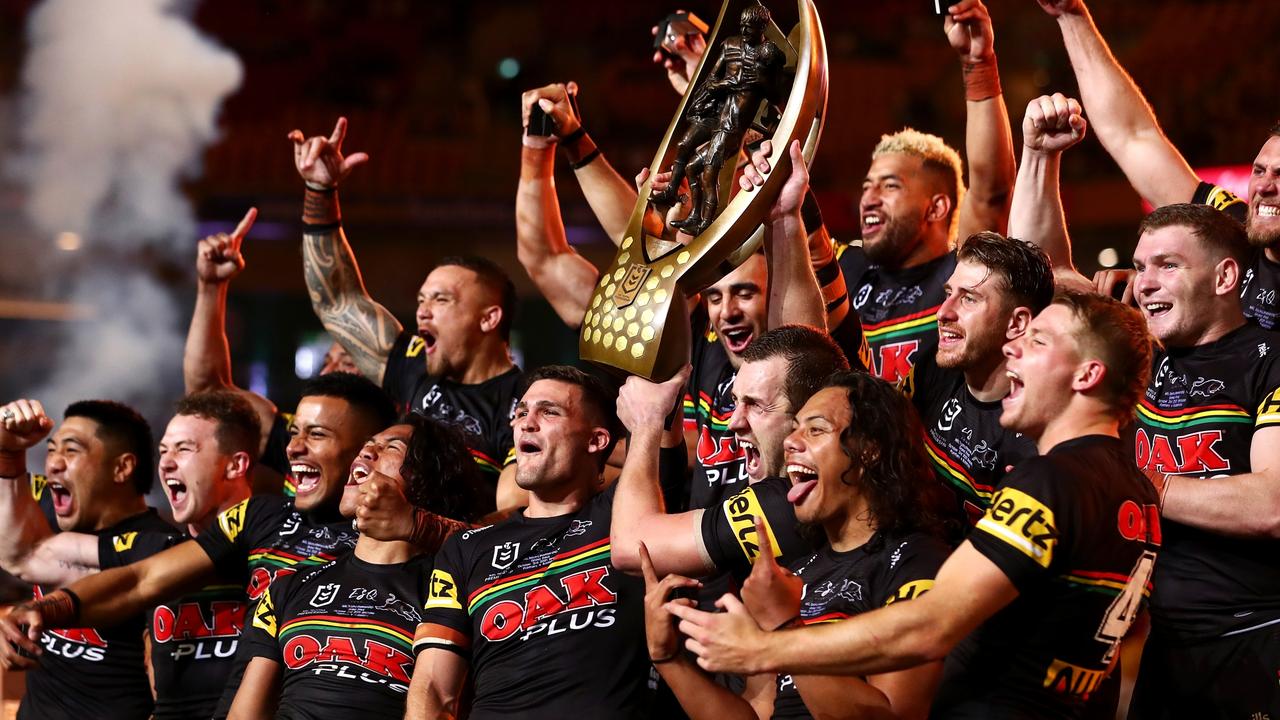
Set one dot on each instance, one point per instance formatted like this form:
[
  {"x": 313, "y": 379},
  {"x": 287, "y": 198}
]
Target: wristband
[
  {"x": 11, "y": 461},
  {"x": 320, "y": 229},
  {"x": 1164, "y": 491},
  {"x": 320, "y": 207},
  {"x": 667, "y": 659},
  {"x": 59, "y": 609},
  {"x": 574, "y": 136},
  {"x": 320, "y": 188},
  {"x": 537, "y": 163},
  {"x": 579, "y": 148},
  {"x": 981, "y": 80},
  {"x": 586, "y": 160}
]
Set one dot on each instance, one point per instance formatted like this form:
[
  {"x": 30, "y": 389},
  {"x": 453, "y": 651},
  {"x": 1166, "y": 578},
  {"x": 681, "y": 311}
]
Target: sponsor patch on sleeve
[
  {"x": 741, "y": 510},
  {"x": 443, "y": 592},
  {"x": 231, "y": 520},
  {"x": 264, "y": 614},
  {"x": 38, "y": 484},
  {"x": 1269, "y": 410},
  {"x": 414, "y": 349},
  {"x": 1220, "y": 198},
  {"x": 123, "y": 541},
  {"x": 1024, "y": 523}
]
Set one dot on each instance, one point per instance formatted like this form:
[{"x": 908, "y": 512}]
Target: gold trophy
[{"x": 757, "y": 81}]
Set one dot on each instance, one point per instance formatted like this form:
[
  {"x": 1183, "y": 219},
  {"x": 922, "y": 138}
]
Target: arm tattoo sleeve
[{"x": 366, "y": 329}]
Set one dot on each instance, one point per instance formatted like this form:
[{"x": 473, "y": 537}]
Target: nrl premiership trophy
[{"x": 758, "y": 83}]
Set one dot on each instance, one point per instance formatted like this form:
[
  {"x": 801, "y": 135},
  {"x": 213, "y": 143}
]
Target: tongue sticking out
[
  {"x": 800, "y": 491},
  {"x": 61, "y": 501}
]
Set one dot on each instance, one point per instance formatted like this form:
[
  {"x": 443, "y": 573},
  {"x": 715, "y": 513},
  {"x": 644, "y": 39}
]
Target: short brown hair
[
  {"x": 811, "y": 356},
  {"x": 237, "y": 425},
  {"x": 601, "y": 401},
  {"x": 1220, "y": 233},
  {"x": 1024, "y": 268},
  {"x": 1117, "y": 335}
]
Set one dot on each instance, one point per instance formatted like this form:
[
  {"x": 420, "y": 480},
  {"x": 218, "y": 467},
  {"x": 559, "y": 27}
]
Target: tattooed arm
[{"x": 364, "y": 328}]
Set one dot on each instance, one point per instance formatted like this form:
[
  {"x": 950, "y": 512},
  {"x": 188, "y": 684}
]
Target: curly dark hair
[
  {"x": 439, "y": 473},
  {"x": 886, "y": 441}
]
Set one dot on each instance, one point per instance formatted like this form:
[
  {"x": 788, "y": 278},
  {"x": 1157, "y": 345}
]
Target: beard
[
  {"x": 1260, "y": 237},
  {"x": 896, "y": 242}
]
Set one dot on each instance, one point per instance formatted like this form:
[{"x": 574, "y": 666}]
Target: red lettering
[
  {"x": 162, "y": 624},
  {"x": 501, "y": 620},
  {"x": 189, "y": 624},
  {"x": 1198, "y": 453},
  {"x": 895, "y": 360},
  {"x": 1162, "y": 457},
  {"x": 1194, "y": 453},
  {"x": 387, "y": 661},
  {"x": 1130, "y": 520},
  {"x": 587, "y": 588},
  {"x": 716, "y": 452},
  {"x": 338, "y": 649},
  {"x": 261, "y": 578},
  {"x": 228, "y": 618},
  {"x": 539, "y": 603},
  {"x": 300, "y": 650}
]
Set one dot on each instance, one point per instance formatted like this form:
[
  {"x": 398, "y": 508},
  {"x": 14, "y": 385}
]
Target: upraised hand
[
  {"x": 659, "y": 626},
  {"x": 646, "y": 404},
  {"x": 23, "y": 424},
  {"x": 968, "y": 29},
  {"x": 554, "y": 99},
  {"x": 689, "y": 49},
  {"x": 218, "y": 257},
  {"x": 382, "y": 511},
  {"x": 319, "y": 159},
  {"x": 1053, "y": 123},
  {"x": 771, "y": 592},
  {"x": 793, "y": 191},
  {"x": 1058, "y": 8}
]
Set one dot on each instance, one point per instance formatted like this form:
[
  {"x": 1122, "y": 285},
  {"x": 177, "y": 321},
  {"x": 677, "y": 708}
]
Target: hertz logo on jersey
[
  {"x": 1024, "y": 523},
  {"x": 742, "y": 509},
  {"x": 910, "y": 591},
  {"x": 232, "y": 519},
  {"x": 444, "y": 591},
  {"x": 124, "y": 541}
]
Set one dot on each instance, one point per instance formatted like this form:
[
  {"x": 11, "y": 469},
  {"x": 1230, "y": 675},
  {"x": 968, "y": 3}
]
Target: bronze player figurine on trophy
[
  {"x": 763, "y": 80},
  {"x": 722, "y": 109}
]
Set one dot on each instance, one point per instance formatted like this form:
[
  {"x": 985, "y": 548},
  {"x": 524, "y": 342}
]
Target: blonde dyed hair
[{"x": 937, "y": 156}]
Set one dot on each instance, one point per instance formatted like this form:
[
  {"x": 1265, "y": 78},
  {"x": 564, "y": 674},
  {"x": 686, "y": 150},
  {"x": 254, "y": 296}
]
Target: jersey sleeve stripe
[{"x": 433, "y": 635}]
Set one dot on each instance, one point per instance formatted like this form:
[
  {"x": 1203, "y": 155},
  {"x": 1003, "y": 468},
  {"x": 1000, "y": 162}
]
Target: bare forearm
[
  {"x": 364, "y": 328},
  {"x": 22, "y": 525},
  {"x": 611, "y": 198},
  {"x": 794, "y": 296},
  {"x": 992, "y": 168},
  {"x": 206, "y": 360},
  {"x": 112, "y": 596},
  {"x": 1124, "y": 122},
  {"x": 892, "y": 638},
  {"x": 1245, "y": 506},
  {"x": 563, "y": 276},
  {"x": 1036, "y": 215},
  {"x": 637, "y": 499},
  {"x": 701, "y": 698},
  {"x": 827, "y": 696}
]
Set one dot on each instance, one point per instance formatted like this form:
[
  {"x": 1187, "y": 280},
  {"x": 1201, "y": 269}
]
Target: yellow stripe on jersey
[
  {"x": 1022, "y": 522},
  {"x": 741, "y": 510}
]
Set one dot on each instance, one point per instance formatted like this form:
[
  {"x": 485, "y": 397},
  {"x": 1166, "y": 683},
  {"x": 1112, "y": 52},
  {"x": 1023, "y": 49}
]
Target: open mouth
[
  {"x": 1157, "y": 309},
  {"x": 1015, "y": 388},
  {"x": 528, "y": 447},
  {"x": 803, "y": 480},
  {"x": 306, "y": 478},
  {"x": 61, "y": 499},
  {"x": 949, "y": 336},
  {"x": 176, "y": 490},
  {"x": 359, "y": 473},
  {"x": 428, "y": 339},
  {"x": 736, "y": 339},
  {"x": 751, "y": 456},
  {"x": 1263, "y": 210},
  {"x": 872, "y": 223}
]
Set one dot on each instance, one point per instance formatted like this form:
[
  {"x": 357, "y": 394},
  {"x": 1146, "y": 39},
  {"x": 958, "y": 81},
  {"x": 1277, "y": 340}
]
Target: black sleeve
[
  {"x": 914, "y": 562},
  {"x": 45, "y": 500},
  {"x": 260, "y": 638},
  {"x": 404, "y": 366},
  {"x": 729, "y": 532},
  {"x": 446, "y": 624},
  {"x": 130, "y": 547},
  {"x": 673, "y": 477},
  {"x": 849, "y": 336},
  {"x": 227, "y": 542},
  {"x": 1027, "y": 522},
  {"x": 1221, "y": 199}
]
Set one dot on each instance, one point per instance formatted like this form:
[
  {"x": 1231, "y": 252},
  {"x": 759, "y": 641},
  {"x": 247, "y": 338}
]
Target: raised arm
[
  {"x": 206, "y": 360},
  {"x": 29, "y": 549},
  {"x": 1124, "y": 122},
  {"x": 988, "y": 137},
  {"x": 564, "y": 277},
  {"x": 364, "y": 328},
  {"x": 675, "y": 541},
  {"x": 1052, "y": 124}
]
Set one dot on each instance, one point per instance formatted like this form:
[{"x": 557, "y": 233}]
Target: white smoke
[{"x": 120, "y": 100}]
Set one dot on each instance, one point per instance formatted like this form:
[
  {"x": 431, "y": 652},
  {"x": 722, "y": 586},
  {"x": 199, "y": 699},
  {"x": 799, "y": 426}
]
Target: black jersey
[
  {"x": 839, "y": 585},
  {"x": 898, "y": 308},
  {"x": 721, "y": 469},
  {"x": 265, "y": 538},
  {"x": 1198, "y": 418},
  {"x": 1076, "y": 530},
  {"x": 967, "y": 447},
  {"x": 193, "y": 639},
  {"x": 483, "y": 411},
  {"x": 729, "y": 531},
  {"x": 343, "y": 635},
  {"x": 551, "y": 628},
  {"x": 96, "y": 673}
]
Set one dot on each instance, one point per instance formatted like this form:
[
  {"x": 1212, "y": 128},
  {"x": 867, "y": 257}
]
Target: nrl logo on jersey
[{"x": 504, "y": 555}]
